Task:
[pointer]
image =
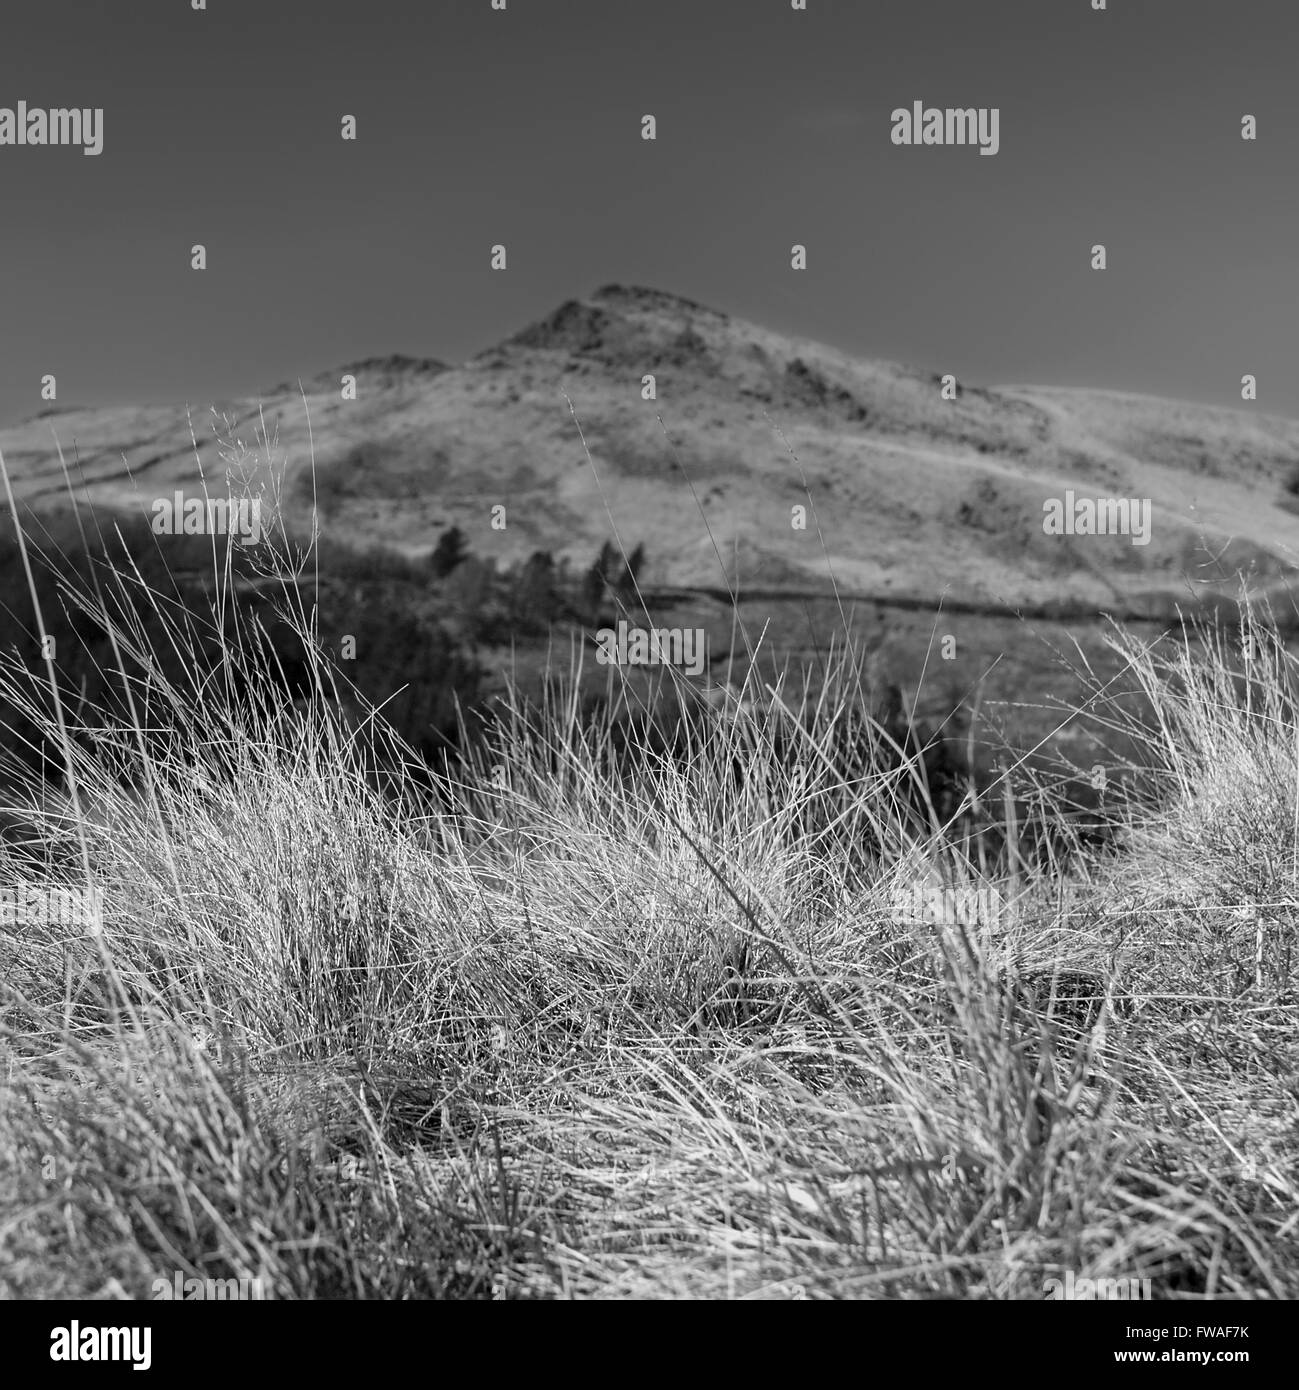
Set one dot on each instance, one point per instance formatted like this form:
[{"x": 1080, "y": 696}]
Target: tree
[
  {"x": 607, "y": 563},
  {"x": 627, "y": 581},
  {"x": 451, "y": 550},
  {"x": 596, "y": 582},
  {"x": 536, "y": 594}
]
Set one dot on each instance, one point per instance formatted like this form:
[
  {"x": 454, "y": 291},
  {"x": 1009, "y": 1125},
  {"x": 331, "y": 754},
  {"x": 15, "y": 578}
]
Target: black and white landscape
[{"x": 650, "y": 652}]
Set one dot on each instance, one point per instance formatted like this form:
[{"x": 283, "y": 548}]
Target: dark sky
[{"x": 523, "y": 127}]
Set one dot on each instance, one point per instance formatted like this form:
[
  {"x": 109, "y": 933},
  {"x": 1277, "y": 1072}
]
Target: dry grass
[{"x": 566, "y": 1032}]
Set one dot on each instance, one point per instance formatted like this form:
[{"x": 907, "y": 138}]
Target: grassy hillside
[{"x": 909, "y": 495}]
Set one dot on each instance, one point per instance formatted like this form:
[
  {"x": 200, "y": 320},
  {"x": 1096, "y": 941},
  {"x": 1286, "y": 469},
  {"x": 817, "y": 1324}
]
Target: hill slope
[{"x": 913, "y": 495}]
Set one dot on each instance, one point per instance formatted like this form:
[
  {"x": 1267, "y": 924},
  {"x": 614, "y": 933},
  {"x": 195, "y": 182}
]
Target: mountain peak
[
  {"x": 614, "y": 319},
  {"x": 644, "y": 297}
]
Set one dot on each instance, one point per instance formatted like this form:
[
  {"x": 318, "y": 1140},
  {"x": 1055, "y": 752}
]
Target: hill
[{"x": 912, "y": 495}]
